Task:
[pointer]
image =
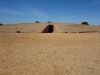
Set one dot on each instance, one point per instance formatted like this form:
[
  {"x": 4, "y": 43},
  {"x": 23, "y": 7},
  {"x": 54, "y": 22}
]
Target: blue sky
[{"x": 67, "y": 11}]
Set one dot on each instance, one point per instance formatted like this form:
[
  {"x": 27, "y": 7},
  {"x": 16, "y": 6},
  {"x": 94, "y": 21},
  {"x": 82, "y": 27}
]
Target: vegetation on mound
[
  {"x": 37, "y": 22},
  {"x": 1, "y": 24},
  {"x": 18, "y": 32},
  {"x": 85, "y": 23}
]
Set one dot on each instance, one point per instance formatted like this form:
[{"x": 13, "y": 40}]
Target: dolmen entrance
[{"x": 51, "y": 29}]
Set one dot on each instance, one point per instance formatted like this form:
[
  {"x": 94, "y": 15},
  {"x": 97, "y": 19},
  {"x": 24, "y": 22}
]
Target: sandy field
[{"x": 50, "y": 54}]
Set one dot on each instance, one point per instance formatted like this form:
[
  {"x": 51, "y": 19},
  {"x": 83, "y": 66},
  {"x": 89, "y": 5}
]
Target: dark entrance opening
[{"x": 51, "y": 28}]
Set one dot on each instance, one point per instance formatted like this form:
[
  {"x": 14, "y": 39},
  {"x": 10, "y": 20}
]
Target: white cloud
[
  {"x": 36, "y": 12},
  {"x": 26, "y": 14},
  {"x": 96, "y": 2},
  {"x": 10, "y": 11},
  {"x": 68, "y": 17},
  {"x": 58, "y": 0},
  {"x": 28, "y": 11}
]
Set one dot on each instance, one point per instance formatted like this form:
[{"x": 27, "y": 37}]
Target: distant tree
[
  {"x": 1, "y": 24},
  {"x": 49, "y": 22},
  {"x": 37, "y": 22},
  {"x": 85, "y": 23}
]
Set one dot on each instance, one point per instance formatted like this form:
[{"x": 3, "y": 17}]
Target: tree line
[{"x": 83, "y": 23}]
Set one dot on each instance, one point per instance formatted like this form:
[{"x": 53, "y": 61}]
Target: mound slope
[{"x": 39, "y": 27}]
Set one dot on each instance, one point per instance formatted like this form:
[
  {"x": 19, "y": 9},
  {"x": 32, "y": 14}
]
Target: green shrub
[
  {"x": 37, "y": 22},
  {"x": 85, "y": 23},
  {"x": 1, "y": 24}
]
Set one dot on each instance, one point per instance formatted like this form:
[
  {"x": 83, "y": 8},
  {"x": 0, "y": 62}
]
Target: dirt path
[{"x": 49, "y": 54}]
